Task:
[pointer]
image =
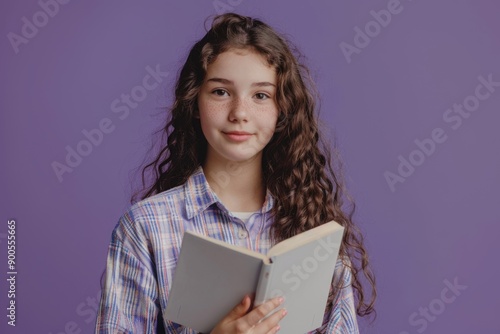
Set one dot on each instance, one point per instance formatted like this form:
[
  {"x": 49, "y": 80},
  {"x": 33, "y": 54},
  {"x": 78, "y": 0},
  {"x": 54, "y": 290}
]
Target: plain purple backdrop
[{"x": 441, "y": 224}]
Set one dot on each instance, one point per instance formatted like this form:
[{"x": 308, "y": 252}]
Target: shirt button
[{"x": 242, "y": 234}]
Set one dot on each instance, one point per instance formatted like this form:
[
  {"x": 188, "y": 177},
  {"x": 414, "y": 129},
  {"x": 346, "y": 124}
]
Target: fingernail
[
  {"x": 281, "y": 299},
  {"x": 284, "y": 312},
  {"x": 278, "y": 328},
  {"x": 243, "y": 301}
]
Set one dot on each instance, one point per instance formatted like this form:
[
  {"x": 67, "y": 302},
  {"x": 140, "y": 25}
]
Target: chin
[{"x": 239, "y": 156}]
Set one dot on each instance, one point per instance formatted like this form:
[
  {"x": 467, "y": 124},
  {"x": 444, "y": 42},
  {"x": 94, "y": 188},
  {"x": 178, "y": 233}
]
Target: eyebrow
[{"x": 229, "y": 82}]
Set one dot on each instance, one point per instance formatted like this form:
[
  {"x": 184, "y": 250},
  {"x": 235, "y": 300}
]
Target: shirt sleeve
[
  {"x": 129, "y": 299},
  {"x": 342, "y": 317}
]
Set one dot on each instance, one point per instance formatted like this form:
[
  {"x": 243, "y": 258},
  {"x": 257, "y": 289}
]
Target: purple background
[{"x": 440, "y": 224}]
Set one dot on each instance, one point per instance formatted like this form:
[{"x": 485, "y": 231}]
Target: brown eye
[
  {"x": 219, "y": 92},
  {"x": 261, "y": 96}
]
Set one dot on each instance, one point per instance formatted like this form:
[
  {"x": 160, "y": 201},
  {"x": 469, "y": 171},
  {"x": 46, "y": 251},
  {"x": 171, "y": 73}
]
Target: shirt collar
[{"x": 199, "y": 196}]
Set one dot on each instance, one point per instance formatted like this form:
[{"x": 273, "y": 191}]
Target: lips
[
  {"x": 237, "y": 136},
  {"x": 237, "y": 133}
]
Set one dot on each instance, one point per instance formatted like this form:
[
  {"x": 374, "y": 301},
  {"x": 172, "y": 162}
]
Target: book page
[
  {"x": 303, "y": 275},
  {"x": 303, "y": 238}
]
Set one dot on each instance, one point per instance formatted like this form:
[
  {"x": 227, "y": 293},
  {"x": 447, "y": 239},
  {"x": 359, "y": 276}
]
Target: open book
[{"x": 212, "y": 277}]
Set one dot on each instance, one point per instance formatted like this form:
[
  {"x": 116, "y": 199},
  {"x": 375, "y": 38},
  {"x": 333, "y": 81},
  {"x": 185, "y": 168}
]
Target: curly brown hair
[{"x": 297, "y": 163}]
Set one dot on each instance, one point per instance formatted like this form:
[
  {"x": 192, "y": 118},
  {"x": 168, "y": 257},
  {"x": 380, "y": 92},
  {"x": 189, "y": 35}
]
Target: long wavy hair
[{"x": 297, "y": 167}]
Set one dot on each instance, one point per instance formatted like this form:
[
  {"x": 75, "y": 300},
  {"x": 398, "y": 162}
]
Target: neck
[{"x": 239, "y": 185}]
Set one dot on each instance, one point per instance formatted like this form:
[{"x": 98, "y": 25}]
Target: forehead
[{"x": 242, "y": 65}]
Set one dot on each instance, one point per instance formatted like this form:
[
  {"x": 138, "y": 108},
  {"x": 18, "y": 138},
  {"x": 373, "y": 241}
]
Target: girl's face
[{"x": 237, "y": 106}]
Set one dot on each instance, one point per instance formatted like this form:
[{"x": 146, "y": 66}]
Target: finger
[
  {"x": 271, "y": 324},
  {"x": 261, "y": 311},
  {"x": 239, "y": 310},
  {"x": 274, "y": 330}
]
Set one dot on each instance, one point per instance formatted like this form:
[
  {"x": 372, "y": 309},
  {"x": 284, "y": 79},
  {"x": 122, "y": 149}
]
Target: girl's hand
[{"x": 238, "y": 321}]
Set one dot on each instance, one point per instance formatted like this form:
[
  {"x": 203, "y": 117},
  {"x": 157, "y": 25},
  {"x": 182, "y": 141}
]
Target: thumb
[{"x": 239, "y": 310}]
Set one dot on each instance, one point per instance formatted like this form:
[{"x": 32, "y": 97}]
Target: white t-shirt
[{"x": 245, "y": 216}]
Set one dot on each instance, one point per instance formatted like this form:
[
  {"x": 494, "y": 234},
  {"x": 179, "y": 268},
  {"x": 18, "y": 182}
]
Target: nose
[{"x": 239, "y": 111}]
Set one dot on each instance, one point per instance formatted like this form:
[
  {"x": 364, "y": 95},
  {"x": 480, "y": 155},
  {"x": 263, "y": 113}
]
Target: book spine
[{"x": 263, "y": 285}]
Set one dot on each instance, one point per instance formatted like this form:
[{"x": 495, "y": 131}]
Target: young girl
[{"x": 243, "y": 162}]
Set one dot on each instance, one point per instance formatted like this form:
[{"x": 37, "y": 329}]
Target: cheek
[
  {"x": 210, "y": 112},
  {"x": 267, "y": 116},
  {"x": 266, "y": 122}
]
